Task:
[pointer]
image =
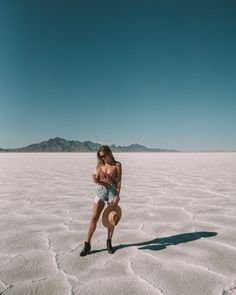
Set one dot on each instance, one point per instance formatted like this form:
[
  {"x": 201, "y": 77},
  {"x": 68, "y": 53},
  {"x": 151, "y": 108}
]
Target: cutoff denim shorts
[{"x": 105, "y": 193}]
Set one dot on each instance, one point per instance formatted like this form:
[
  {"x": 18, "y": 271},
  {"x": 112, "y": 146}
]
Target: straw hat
[{"x": 111, "y": 216}]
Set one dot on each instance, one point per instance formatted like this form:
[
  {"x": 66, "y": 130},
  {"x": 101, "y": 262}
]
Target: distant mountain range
[{"x": 58, "y": 144}]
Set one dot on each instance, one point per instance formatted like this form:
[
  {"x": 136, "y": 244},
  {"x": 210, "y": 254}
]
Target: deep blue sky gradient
[{"x": 158, "y": 73}]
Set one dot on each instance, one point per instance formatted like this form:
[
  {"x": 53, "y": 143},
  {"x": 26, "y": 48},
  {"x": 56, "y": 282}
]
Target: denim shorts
[{"x": 105, "y": 193}]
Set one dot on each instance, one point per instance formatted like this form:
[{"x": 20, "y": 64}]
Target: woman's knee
[
  {"x": 97, "y": 209},
  {"x": 94, "y": 218}
]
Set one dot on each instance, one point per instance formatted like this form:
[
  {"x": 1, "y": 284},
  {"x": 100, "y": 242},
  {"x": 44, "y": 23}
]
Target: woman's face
[{"x": 106, "y": 157}]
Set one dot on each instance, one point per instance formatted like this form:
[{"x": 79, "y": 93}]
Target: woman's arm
[
  {"x": 95, "y": 176},
  {"x": 119, "y": 176},
  {"x": 118, "y": 184}
]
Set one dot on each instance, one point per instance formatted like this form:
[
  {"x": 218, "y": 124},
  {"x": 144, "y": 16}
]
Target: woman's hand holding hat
[{"x": 115, "y": 201}]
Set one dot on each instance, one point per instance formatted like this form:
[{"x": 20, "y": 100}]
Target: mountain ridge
[{"x": 58, "y": 144}]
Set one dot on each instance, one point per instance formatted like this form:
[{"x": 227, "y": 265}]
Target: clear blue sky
[{"x": 158, "y": 73}]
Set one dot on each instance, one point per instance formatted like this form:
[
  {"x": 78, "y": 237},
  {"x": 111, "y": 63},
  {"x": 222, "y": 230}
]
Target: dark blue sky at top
[{"x": 158, "y": 73}]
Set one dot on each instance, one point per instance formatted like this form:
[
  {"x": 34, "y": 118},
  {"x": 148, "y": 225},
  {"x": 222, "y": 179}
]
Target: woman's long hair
[{"x": 106, "y": 150}]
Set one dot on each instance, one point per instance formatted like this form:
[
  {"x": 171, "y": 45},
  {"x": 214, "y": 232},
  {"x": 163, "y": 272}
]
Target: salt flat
[{"x": 177, "y": 234}]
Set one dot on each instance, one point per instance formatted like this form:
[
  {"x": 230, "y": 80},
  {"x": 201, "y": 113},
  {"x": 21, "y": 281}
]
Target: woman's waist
[{"x": 108, "y": 185}]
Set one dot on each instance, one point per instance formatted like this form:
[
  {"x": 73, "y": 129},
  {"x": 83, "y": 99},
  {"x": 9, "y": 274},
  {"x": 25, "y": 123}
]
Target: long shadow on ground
[{"x": 162, "y": 243}]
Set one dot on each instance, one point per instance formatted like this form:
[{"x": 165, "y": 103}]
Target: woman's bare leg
[
  {"x": 110, "y": 231},
  {"x": 97, "y": 209}
]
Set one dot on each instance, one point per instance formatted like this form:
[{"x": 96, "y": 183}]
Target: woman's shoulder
[
  {"x": 118, "y": 164},
  {"x": 99, "y": 166}
]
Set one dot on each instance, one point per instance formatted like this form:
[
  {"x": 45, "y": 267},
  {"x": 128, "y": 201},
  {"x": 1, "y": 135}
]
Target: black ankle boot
[
  {"x": 109, "y": 247},
  {"x": 86, "y": 249}
]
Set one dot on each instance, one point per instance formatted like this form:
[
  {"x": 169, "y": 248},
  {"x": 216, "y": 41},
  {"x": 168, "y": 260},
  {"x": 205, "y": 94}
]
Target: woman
[{"x": 108, "y": 178}]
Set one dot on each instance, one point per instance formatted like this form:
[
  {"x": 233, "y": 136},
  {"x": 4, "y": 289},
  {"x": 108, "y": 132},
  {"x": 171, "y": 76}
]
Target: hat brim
[{"x": 105, "y": 220}]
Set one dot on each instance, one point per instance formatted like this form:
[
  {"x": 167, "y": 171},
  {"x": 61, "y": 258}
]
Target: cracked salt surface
[{"x": 176, "y": 236}]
